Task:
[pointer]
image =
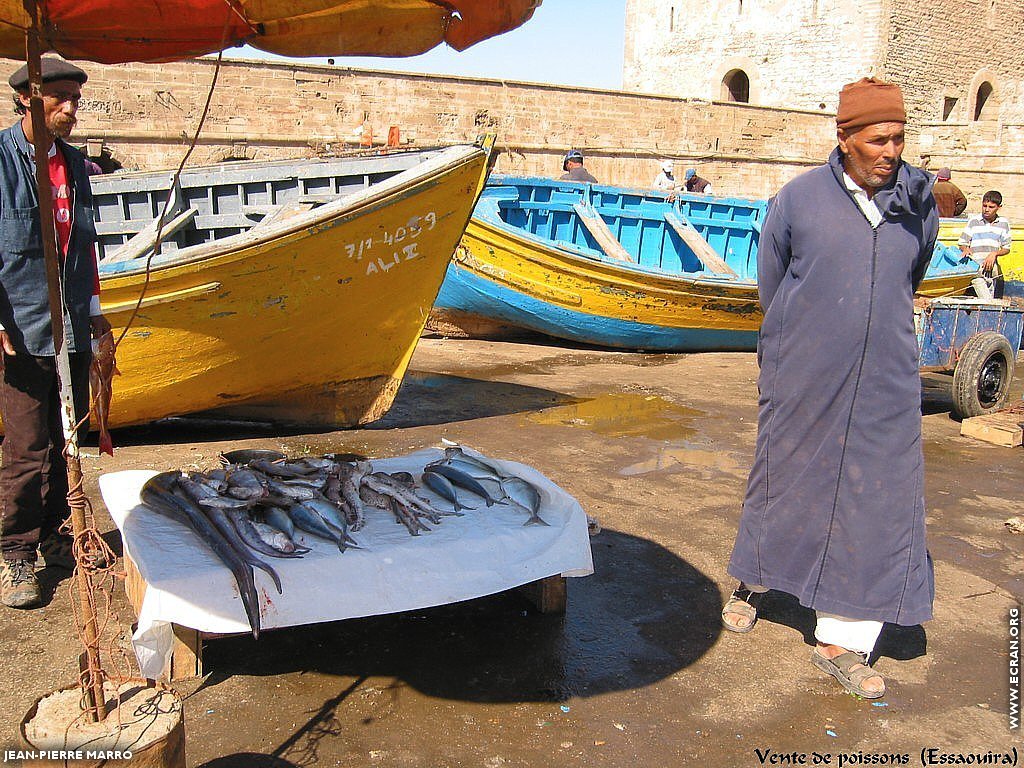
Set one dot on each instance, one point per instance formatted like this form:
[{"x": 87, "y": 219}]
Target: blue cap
[
  {"x": 572, "y": 154},
  {"x": 690, "y": 173}
]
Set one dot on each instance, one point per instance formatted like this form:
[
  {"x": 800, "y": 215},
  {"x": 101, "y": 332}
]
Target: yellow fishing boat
[{"x": 291, "y": 292}]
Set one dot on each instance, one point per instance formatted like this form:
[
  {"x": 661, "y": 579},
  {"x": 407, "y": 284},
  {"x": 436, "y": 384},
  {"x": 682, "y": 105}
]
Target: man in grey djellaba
[{"x": 834, "y": 511}]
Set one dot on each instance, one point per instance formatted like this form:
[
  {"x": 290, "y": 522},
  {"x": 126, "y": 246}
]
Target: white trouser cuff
[{"x": 851, "y": 634}]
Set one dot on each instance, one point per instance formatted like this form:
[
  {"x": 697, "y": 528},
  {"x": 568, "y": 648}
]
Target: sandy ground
[{"x": 637, "y": 672}]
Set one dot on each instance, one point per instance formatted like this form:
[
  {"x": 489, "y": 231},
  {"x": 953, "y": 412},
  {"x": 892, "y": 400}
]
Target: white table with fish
[{"x": 486, "y": 550}]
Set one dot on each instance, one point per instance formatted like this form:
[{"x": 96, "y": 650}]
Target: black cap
[{"x": 53, "y": 69}]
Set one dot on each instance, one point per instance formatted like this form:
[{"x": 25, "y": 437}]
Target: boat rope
[
  {"x": 94, "y": 559},
  {"x": 174, "y": 182}
]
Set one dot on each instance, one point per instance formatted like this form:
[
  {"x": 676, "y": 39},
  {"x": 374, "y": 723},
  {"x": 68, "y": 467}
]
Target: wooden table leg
[
  {"x": 186, "y": 654},
  {"x": 547, "y": 595}
]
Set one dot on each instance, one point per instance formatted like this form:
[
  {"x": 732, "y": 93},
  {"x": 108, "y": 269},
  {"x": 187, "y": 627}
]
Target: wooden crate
[
  {"x": 547, "y": 595},
  {"x": 1004, "y": 427}
]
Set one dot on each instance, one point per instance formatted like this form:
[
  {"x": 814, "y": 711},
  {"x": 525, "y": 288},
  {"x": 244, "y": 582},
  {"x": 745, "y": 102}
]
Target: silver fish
[
  {"x": 443, "y": 487},
  {"x": 218, "y": 517},
  {"x": 159, "y": 495},
  {"x": 277, "y": 539},
  {"x": 463, "y": 480},
  {"x": 455, "y": 453},
  {"x": 524, "y": 494}
]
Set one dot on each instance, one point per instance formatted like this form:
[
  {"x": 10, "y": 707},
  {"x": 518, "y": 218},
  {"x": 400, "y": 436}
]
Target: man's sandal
[
  {"x": 743, "y": 604},
  {"x": 851, "y": 670}
]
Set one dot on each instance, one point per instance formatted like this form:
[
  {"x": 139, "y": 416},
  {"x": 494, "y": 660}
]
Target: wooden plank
[
  {"x": 186, "y": 654},
  {"x": 549, "y": 595},
  {"x": 286, "y": 211},
  {"x": 700, "y": 247},
  {"x": 144, "y": 242},
  {"x": 595, "y": 225},
  {"x": 1005, "y": 427}
]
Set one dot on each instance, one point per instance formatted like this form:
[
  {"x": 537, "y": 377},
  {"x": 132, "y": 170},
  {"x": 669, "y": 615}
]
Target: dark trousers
[{"x": 33, "y": 475}]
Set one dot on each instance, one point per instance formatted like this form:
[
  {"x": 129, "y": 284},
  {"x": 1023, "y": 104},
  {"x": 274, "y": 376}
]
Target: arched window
[
  {"x": 736, "y": 86},
  {"x": 984, "y": 104}
]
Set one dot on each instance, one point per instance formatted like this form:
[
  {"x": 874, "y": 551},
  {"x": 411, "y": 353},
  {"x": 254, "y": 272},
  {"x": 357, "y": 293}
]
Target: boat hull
[
  {"x": 554, "y": 280},
  {"x": 314, "y": 324},
  {"x": 497, "y": 276}
]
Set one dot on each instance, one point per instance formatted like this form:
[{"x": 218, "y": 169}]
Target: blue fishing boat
[{"x": 616, "y": 267}]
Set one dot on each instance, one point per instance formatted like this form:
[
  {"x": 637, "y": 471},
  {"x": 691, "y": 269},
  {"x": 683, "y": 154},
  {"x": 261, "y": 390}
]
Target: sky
[{"x": 568, "y": 42}]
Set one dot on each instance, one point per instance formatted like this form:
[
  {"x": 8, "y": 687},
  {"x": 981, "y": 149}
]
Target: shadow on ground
[
  {"x": 424, "y": 399},
  {"x": 427, "y": 399},
  {"x": 642, "y": 616},
  {"x": 248, "y": 760},
  {"x": 895, "y": 642}
]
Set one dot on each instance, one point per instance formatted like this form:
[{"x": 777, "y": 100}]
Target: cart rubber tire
[{"x": 981, "y": 379}]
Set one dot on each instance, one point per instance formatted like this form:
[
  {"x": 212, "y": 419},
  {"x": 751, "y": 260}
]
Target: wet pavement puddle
[
  {"x": 674, "y": 457},
  {"x": 625, "y": 414}
]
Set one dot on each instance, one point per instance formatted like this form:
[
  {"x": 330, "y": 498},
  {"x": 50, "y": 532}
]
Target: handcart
[{"x": 976, "y": 340}]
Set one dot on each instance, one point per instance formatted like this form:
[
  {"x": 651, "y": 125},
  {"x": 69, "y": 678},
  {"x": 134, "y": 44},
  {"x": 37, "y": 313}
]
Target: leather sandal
[
  {"x": 851, "y": 669},
  {"x": 743, "y": 603}
]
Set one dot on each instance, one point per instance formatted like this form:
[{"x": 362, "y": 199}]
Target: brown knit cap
[{"x": 869, "y": 101}]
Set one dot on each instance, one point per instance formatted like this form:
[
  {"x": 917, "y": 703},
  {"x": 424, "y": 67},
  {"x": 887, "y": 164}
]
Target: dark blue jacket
[
  {"x": 24, "y": 305},
  {"x": 834, "y": 512}
]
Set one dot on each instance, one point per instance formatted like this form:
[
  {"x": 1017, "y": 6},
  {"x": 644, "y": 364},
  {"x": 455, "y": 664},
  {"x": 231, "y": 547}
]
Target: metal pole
[{"x": 92, "y": 688}]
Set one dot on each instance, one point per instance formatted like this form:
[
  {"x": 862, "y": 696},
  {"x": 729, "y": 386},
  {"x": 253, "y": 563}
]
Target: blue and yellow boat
[{"x": 618, "y": 267}]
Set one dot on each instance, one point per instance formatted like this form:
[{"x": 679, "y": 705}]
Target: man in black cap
[
  {"x": 573, "y": 167},
  {"x": 33, "y": 474}
]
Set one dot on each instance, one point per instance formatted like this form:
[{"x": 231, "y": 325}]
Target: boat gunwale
[{"x": 305, "y": 224}]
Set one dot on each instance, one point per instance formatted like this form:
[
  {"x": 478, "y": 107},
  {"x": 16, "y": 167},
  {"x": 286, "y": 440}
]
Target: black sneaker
[
  {"x": 58, "y": 551},
  {"x": 19, "y": 587}
]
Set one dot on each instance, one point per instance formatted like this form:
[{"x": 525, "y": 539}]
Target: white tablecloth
[{"x": 488, "y": 550}]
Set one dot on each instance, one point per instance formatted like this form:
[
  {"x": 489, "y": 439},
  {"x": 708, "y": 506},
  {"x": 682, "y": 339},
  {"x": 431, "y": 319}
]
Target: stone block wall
[
  {"x": 797, "y": 53},
  {"x": 143, "y": 115},
  {"x": 940, "y": 50}
]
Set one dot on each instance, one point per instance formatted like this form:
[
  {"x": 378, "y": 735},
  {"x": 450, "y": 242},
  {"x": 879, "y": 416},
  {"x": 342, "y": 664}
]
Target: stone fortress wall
[
  {"x": 143, "y": 115},
  {"x": 959, "y": 62}
]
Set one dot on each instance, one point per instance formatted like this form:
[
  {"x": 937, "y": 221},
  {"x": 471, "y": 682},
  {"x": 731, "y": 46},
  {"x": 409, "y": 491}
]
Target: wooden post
[{"x": 92, "y": 683}]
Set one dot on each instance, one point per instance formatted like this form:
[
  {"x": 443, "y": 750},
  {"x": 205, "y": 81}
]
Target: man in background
[
  {"x": 695, "y": 184},
  {"x": 948, "y": 197},
  {"x": 573, "y": 167},
  {"x": 666, "y": 180}
]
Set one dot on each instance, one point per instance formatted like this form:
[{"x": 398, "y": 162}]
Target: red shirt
[{"x": 62, "y": 211}]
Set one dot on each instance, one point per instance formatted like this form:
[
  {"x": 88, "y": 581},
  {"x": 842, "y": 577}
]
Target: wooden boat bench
[
  {"x": 700, "y": 247},
  {"x": 548, "y": 596},
  {"x": 595, "y": 225}
]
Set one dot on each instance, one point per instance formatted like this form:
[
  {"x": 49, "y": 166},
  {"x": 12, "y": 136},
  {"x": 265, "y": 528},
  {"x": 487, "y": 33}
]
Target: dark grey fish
[
  {"x": 310, "y": 521},
  {"x": 248, "y": 533},
  {"x": 219, "y": 518},
  {"x": 443, "y": 487},
  {"x": 279, "y": 519},
  {"x": 158, "y": 495},
  {"x": 281, "y": 469},
  {"x": 461, "y": 479},
  {"x": 245, "y": 484}
]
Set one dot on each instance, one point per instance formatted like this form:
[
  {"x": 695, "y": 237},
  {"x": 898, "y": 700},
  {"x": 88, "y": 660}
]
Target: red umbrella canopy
[{"x": 118, "y": 31}]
